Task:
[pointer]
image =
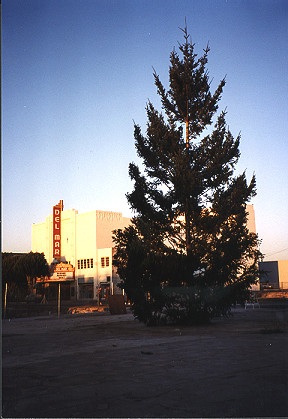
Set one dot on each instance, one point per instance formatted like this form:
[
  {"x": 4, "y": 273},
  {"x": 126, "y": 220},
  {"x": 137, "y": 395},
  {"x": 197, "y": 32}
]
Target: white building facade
[{"x": 86, "y": 244}]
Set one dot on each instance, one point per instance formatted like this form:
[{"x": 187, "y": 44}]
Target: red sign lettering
[{"x": 57, "y": 230}]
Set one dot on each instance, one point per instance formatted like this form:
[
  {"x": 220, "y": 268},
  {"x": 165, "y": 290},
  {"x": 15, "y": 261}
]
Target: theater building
[{"x": 79, "y": 250}]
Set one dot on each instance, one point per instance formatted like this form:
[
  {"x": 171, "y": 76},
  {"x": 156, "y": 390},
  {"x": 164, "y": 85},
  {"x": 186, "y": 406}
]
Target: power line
[{"x": 274, "y": 253}]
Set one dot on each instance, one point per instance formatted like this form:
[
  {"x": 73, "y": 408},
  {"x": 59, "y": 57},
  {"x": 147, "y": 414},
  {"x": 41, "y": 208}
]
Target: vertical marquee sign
[{"x": 57, "y": 230}]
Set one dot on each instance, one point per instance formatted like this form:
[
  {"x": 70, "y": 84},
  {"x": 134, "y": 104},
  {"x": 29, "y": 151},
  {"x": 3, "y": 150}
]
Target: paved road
[{"x": 111, "y": 366}]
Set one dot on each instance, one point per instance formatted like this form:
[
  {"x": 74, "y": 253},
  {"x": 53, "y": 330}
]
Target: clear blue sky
[{"x": 76, "y": 73}]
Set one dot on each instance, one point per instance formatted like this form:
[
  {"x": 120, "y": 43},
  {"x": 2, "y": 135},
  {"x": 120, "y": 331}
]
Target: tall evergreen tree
[{"x": 188, "y": 254}]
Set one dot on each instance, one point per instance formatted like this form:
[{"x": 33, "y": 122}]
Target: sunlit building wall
[
  {"x": 251, "y": 219},
  {"x": 86, "y": 243},
  {"x": 283, "y": 273}
]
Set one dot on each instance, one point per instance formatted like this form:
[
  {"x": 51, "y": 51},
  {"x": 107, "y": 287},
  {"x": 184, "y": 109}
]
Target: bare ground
[{"x": 98, "y": 365}]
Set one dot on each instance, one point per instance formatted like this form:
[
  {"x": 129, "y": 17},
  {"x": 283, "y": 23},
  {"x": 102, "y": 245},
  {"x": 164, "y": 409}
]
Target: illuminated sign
[
  {"x": 60, "y": 272},
  {"x": 57, "y": 230},
  {"x": 63, "y": 272}
]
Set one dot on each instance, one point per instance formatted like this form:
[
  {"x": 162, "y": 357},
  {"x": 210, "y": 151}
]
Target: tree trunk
[{"x": 187, "y": 209}]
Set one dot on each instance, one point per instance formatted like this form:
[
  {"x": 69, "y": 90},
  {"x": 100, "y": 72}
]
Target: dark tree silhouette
[
  {"x": 33, "y": 265},
  {"x": 188, "y": 255},
  {"x": 20, "y": 272}
]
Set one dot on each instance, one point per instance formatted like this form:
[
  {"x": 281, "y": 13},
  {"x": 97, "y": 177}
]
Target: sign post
[
  {"x": 59, "y": 291},
  {"x": 5, "y": 300}
]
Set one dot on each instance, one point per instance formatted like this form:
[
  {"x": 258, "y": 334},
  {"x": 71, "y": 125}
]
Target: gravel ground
[{"x": 98, "y": 365}]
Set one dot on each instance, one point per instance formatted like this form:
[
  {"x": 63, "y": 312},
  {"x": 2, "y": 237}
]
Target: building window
[
  {"x": 86, "y": 263},
  {"x": 108, "y": 278},
  {"x": 104, "y": 262}
]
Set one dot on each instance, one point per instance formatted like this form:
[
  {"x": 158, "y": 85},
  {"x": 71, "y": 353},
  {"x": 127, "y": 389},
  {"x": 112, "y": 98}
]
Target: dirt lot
[{"x": 98, "y": 365}]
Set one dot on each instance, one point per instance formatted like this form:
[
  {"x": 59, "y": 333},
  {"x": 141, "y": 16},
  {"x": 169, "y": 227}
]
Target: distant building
[
  {"x": 79, "y": 249},
  {"x": 252, "y": 229},
  {"x": 274, "y": 274}
]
